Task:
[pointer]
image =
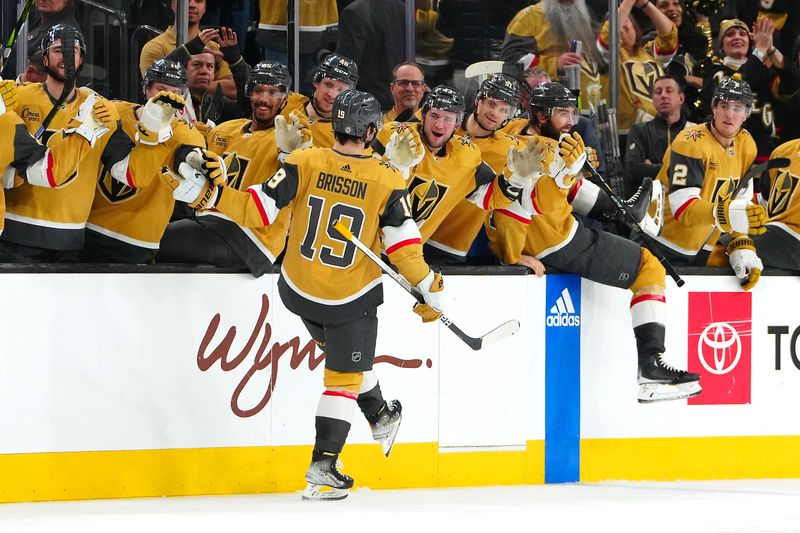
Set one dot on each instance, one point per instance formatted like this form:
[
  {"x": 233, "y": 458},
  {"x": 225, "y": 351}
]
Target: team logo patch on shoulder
[
  {"x": 237, "y": 169},
  {"x": 425, "y": 196},
  {"x": 694, "y": 135},
  {"x": 114, "y": 191},
  {"x": 781, "y": 192}
]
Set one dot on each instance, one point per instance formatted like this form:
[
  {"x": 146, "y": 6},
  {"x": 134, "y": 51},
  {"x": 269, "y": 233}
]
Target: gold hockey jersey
[
  {"x": 458, "y": 230},
  {"x": 252, "y": 157},
  {"x": 440, "y": 181},
  {"x": 545, "y": 227},
  {"x": 138, "y": 213},
  {"x": 694, "y": 167},
  {"x": 55, "y": 218},
  {"x": 783, "y": 197},
  {"x": 323, "y": 276}
]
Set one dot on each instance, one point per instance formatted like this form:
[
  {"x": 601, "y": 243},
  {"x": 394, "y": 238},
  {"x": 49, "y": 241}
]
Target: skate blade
[
  {"x": 663, "y": 392},
  {"x": 387, "y": 442},
  {"x": 315, "y": 492}
]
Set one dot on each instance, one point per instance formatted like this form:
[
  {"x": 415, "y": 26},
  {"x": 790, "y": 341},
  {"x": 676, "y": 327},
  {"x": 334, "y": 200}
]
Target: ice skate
[
  {"x": 385, "y": 425},
  {"x": 649, "y": 191},
  {"x": 325, "y": 482},
  {"x": 660, "y": 382}
]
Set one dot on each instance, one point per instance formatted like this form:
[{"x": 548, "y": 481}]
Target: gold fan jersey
[
  {"x": 318, "y": 19},
  {"x": 638, "y": 73},
  {"x": 783, "y": 196},
  {"x": 694, "y": 167},
  {"x": 131, "y": 217},
  {"x": 55, "y": 218},
  {"x": 323, "y": 276},
  {"x": 457, "y": 231},
  {"x": 440, "y": 181},
  {"x": 546, "y": 226},
  {"x": 251, "y": 157}
]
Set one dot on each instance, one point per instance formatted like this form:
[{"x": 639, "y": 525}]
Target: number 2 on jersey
[{"x": 338, "y": 211}]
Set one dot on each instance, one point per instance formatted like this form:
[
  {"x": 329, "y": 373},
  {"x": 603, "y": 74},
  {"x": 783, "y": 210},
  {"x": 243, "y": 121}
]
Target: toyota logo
[{"x": 719, "y": 344}]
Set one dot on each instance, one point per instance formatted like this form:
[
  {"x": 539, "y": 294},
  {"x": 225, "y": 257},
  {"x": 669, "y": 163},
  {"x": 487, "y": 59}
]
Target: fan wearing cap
[
  {"x": 442, "y": 168},
  {"x": 756, "y": 60},
  {"x": 702, "y": 170},
  {"x": 496, "y": 102},
  {"x": 127, "y": 219},
  {"x": 335, "y": 74},
  {"x": 47, "y": 224},
  {"x": 251, "y": 148}
]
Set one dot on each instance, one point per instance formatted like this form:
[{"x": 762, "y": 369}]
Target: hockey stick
[
  {"x": 12, "y": 39},
  {"x": 649, "y": 242},
  {"x": 476, "y": 343},
  {"x": 68, "y": 56}
]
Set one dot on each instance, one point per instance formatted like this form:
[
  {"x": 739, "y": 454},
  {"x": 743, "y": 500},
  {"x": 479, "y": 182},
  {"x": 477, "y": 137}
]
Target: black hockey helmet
[
  {"x": 733, "y": 90},
  {"x": 337, "y": 67},
  {"x": 354, "y": 112},
  {"x": 269, "y": 73},
  {"x": 550, "y": 95},
  {"x": 167, "y": 72},
  {"x": 444, "y": 98},
  {"x": 62, "y": 32},
  {"x": 501, "y": 87}
]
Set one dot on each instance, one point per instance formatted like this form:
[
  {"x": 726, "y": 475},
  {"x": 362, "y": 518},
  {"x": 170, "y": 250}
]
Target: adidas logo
[
  {"x": 563, "y": 313},
  {"x": 346, "y": 168}
]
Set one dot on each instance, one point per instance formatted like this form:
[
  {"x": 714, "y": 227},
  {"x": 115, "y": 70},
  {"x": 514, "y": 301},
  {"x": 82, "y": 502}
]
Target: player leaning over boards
[
  {"x": 252, "y": 148},
  {"x": 128, "y": 220},
  {"x": 324, "y": 280},
  {"x": 442, "y": 169},
  {"x": 702, "y": 168},
  {"x": 541, "y": 225}
]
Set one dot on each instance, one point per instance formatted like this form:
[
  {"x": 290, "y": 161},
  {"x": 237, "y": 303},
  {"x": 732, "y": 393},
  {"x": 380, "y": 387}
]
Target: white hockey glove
[
  {"x": 431, "y": 287},
  {"x": 525, "y": 166},
  {"x": 9, "y": 177},
  {"x": 404, "y": 149},
  {"x": 8, "y": 95},
  {"x": 740, "y": 216},
  {"x": 96, "y": 116},
  {"x": 210, "y": 164},
  {"x": 652, "y": 219},
  {"x": 155, "y": 126},
  {"x": 291, "y": 136},
  {"x": 745, "y": 262},
  {"x": 191, "y": 186},
  {"x": 569, "y": 161}
]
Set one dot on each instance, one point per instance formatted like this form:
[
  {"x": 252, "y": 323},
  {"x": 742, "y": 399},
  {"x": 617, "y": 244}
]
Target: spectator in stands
[
  {"x": 790, "y": 110},
  {"x": 639, "y": 65},
  {"x": 232, "y": 13},
  {"x": 211, "y": 109},
  {"x": 48, "y": 14},
  {"x": 762, "y": 65},
  {"x": 407, "y": 88},
  {"x": 547, "y": 30},
  {"x": 372, "y": 33},
  {"x": 648, "y": 142},
  {"x": 165, "y": 43},
  {"x": 318, "y": 26},
  {"x": 34, "y": 72}
]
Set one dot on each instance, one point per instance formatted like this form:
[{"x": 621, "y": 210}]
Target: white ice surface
[{"x": 697, "y": 506}]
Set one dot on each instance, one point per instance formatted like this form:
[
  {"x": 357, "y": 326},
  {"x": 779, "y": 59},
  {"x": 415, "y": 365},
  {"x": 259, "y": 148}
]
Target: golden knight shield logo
[{"x": 425, "y": 196}]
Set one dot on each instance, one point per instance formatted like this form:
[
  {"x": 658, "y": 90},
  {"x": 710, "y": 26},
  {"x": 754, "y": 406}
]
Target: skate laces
[{"x": 668, "y": 366}]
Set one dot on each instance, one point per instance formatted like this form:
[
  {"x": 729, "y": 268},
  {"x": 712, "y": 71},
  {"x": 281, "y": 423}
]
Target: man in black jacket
[{"x": 648, "y": 142}]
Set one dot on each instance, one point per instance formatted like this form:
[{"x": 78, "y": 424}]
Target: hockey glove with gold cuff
[
  {"x": 525, "y": 165},
  {"x": 292, "y": 135},
  {"x": 569, "y": 161},
  {"x": 155, "y": 126},
  {"x": 404, "y": 149},
  {"x": 746, "y": 264},
  {"x": 431, "y": 287},
  {"x": 740, "y": 216},
  {"x": 8, "y": 95}
]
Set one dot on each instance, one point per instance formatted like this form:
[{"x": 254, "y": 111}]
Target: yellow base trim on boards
[
  {"x": 196, "y": 471},
  {"x": 666, "y": 459}
]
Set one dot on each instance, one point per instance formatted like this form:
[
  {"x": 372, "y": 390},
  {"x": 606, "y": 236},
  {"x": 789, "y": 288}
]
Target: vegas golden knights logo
[
  {"x": 641, "y": 76},
  {"x": 781, "y": 193},
  {"x": 114, "y": 191},
  {"x": 237, "y": 169},
  {"x": 425, "y": 196},
  {"x": 719, "y": 183}
]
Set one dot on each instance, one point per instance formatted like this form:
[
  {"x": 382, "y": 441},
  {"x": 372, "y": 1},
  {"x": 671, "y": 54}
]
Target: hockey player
[
  {"x": 541, "y": 225},
  {"x": 702, "y": 168},
  {"x": 442, "y": 168},
  {"x": 335, "y": 74},
  {"x": 128, "y": 219},
  {"x": 496, "y": 102},
  {"x": 324, "y": 280},
  {"x": 48, "y": 224},
  {"x": 251, "y": 148},
  {"x": 779, "y": 245}
]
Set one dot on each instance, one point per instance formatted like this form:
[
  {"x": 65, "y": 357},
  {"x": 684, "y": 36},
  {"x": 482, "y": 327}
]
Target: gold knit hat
[{"x": 726, "y": 25}]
